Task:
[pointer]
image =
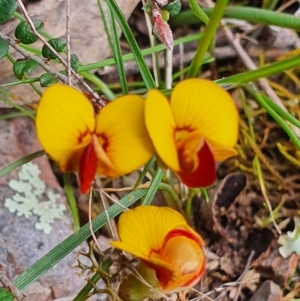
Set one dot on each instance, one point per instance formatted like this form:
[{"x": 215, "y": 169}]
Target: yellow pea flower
[
  {"x": 111, "y": 143},
  {"x": 198, "y": 126},
  {"x": 162, "y": 239}
]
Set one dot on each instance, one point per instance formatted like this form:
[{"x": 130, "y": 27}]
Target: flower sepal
[{"x": 134, "y": 289}]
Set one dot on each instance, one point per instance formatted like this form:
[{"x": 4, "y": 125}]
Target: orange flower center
[
  {"x": 188, "y": 144},
  {"x": 94, "y": 157}
]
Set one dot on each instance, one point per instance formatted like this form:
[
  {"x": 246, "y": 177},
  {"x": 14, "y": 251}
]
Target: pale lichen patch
[{"x": 33, "y": 198}]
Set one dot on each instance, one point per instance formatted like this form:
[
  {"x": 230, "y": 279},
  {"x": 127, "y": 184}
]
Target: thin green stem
[
  {"x": 83, "y": 294},
  {"x": 172, "y": 193},
  {"x": 198, "y": 11},
  {"x": 99, "y": 83},
  {"x": 145, "y": 52},
  {"x": 207, "y": 38},
  {"x": 249, "y": 14},
  {"x": 29, "y": 114},
  {"x": 71, "y": 201},
  {"x": 21, "y": 82}
]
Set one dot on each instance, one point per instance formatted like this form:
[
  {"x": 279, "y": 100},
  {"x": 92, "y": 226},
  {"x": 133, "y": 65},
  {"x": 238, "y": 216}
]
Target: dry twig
[
  {"x": 28, "y": 55},
  {"x": 68, "y": 38},
  {"x": 9, "y": 285},
  {"x": 241, "y": 278},
  {"x": 42, "y": 39}
]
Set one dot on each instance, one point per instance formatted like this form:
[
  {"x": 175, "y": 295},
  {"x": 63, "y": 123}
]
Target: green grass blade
[
  {"x": 116, "y": 48},
  {"x": 153, "y": 187},
  {"x": 249, "y": 76},
  {"x": 145, "y": 52},
  {"x": 104, "y": 21},
  {"x": 285, "y": 115},
  {"x": 258, "y": 96},
  {"x": 145, "y": 72},
  {"x": 20, "y": 162},
  {"x": 15, "y": 115},
  {"x": 65, "y": 247}
]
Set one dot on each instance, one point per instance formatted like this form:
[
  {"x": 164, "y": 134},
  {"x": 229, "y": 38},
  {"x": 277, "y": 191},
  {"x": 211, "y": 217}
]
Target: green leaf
[
  {"x": 5, "y": 295},
  {"x": 58, "y": 44},
  {"x": 24, "y": 66},
  {"x": 3, "y": 49},
  {"x": 153, "y": 187},
  {"x": 7, "y": 8},
  {"x": 148, "y": 8},
  {"x": 47, "y": 79},
  {"x": 25, "y": 34},
  {"x": 174, "y": 8},
  {"x": 74, "y": 62}
]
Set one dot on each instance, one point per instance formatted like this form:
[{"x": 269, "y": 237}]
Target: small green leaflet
[
  {"x": 58, "y": 44},
  {"x": 25, "y": 34},
  {"x": 3, "y": 49},
  {"x": 7, "y": 8},
  {"x": 5, "y": 295},
  {"x": 24, "y": 66},
  {"x": 47, "y": 79}
]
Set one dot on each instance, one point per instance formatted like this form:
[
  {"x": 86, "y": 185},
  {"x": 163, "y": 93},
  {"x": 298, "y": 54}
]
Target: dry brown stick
[
  {"x": 169, "y": 68},
  {"x": 9, "y": 285},
  {"x": 68, "y": 298},
  {"x": 68, "y": 39},
  {"x": 242, "y": 277},
  {"x": 27, "y": 55},
  {"x": 286, "y": 5},
  {"x": 152, "y": 43},
  {"x": 43, "y": 40}
]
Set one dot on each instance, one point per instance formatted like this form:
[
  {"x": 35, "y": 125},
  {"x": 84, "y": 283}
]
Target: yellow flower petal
[
  {"x": 143, "y": 229},
  {"x": 64, "y": 121},
  {"x": 220, "y": 151},
  {"x": 122, "y": 133},
  {"x": 160, "y": 125},
  {"x": 203, "y": 106}
]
